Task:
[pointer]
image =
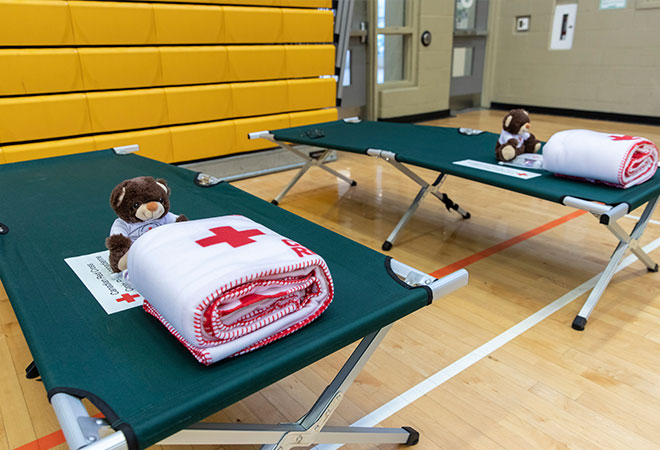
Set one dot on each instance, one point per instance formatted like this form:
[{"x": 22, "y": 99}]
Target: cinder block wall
[{"x": 614, "y": 65}]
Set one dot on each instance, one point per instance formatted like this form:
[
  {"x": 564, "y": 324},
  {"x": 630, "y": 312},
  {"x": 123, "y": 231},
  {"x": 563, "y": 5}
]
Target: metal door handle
[{"x": 364, "y": 31}]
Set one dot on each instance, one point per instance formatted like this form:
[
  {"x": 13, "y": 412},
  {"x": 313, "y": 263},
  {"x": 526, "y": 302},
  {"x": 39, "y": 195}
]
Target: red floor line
[
  {"x": 47, "y": 442},
  {"x": 503, "y": 245},
  {"x": 43, "y": 443}
]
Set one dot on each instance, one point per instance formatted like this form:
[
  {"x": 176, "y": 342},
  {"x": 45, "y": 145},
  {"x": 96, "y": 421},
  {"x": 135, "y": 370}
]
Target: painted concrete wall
[{"x": 614, "y": 65}]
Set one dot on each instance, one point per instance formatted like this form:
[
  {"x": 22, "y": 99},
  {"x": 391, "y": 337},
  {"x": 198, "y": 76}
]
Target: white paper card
[
  {"x": 496, "y": 168},
  {"x": 111, "y": 290}
]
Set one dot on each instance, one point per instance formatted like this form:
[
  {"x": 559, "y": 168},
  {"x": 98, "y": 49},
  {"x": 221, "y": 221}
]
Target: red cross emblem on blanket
[
  {"x": 230, "y": 236},
  {"x": 623, "y": 138},
  {"x": 128, "y": 298}
]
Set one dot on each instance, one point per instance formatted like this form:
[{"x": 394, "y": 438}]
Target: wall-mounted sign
[{"x": 612, "y": 4}]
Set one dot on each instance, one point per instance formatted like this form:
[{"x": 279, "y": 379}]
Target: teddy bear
[
  {"x": 515, "y": 137},
  {"x": 141, "y": 203}
]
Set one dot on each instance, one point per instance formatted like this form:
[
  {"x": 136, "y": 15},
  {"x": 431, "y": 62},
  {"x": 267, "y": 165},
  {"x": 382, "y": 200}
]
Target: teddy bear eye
[
  {"x": 160, "y": 200},
  {"x": 136, "y": 205}
]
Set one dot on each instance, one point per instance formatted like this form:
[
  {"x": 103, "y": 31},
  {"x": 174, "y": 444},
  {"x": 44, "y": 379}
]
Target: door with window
[
  {"x": 468, "y": 53},
  {"x": 399, "y": 57},
  {"x": 410, "y": 76}
]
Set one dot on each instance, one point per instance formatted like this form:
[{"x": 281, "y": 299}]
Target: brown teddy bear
[
  {"x": 141, "y": 203},
  {"x": 515, "y": 137}
]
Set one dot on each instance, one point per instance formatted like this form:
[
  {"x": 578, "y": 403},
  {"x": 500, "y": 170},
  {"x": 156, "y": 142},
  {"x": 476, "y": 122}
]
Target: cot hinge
[
  {"x": 384, "y": 154},
  {"x": 309, "y": 436},
  {"x": 94, "y": 429}
]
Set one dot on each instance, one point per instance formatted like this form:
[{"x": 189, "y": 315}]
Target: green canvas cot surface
[
  {"x": 437, "y": 148},
  {"x": 141, "y": 377}
]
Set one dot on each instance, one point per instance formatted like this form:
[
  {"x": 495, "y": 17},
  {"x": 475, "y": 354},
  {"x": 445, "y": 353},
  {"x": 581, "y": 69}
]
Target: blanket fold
[
  {"x": 617, "y": 160},
  {"x": 227, "y": 285}
]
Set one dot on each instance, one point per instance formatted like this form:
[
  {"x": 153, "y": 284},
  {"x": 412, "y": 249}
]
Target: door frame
[{"x": 410, "y": 29}]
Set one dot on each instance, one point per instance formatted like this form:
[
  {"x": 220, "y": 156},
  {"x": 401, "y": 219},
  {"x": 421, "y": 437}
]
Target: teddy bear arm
[
  {"x": 181, "y": 218},
  {"x": 508, "y": 151},
  {"x": 118, "y": 245},
  {"x": 532, "y": 145}
]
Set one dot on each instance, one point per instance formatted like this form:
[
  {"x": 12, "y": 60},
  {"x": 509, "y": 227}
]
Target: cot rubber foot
[
  {"x": 4, "y": 229},
  {"x": 31, "y": 371},
  {"x": 655, "y": 269},
  {"x": 413, "y": 437},
  {"x": 353, "y": 183},
  {"x": 578, "y": 323},
  {"x": 275, "y": 202},
  {"x": 387, "y": 245},
  {"x": 467, "y": 216}
]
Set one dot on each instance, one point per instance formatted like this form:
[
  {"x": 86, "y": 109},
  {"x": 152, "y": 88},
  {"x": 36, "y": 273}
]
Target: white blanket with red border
[
  {"x": 617, "y": 160},
  {"x": 227, "y": 285}
]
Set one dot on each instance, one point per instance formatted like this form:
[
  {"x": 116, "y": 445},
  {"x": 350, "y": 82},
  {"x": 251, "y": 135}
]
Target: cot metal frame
[
  {"x": 425, "y": 187},
  {"x": 83, "y": 431},
  {"x": 609, "y": 216}
]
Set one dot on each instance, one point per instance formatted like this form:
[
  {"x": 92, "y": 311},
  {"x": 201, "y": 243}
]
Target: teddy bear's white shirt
[
  {"x": 520, "y": 138},
  {"x": 135, "y": 230}
]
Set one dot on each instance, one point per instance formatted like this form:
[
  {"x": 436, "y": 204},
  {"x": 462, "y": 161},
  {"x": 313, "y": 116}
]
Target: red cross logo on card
[
  {"x": 230, "y": 236},
  {"x": 128, "y": 298}
]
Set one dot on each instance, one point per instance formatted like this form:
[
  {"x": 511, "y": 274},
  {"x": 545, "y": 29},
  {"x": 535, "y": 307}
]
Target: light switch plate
[{"x": 522, "y": 23}]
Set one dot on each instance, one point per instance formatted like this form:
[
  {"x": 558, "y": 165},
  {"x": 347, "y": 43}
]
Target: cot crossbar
[
  {"x": 425, "y": 187},
  {"x": 609, "y": 216}
]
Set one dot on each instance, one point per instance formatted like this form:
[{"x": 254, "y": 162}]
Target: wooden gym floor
[{"x": 538, "y": 385}]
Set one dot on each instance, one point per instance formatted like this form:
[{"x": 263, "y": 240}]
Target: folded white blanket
[
  {"x": 614, "y": 159},
  {"x": 227, "y": 285}
]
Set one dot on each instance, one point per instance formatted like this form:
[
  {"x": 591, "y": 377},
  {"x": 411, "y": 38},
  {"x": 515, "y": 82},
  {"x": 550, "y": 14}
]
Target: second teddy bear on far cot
[{"x": 515, "y": 138}]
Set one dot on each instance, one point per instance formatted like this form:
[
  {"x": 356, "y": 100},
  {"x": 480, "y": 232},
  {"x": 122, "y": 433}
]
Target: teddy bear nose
[{"x": 152, "y": 206}]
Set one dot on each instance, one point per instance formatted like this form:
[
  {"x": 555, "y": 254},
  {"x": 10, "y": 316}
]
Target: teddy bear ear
[
  {"x": 118, "y": 196},
  {"x": 163, "y": 184},
  {"x": 507, "y": 120}
]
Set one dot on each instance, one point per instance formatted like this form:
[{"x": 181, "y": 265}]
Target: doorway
[
  {"x": 468, "y": 53},
  {"x": 396, "y": 63}
]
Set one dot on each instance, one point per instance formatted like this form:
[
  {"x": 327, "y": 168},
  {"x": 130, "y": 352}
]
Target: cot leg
[
  {"x": 387, "y": 245},
  {"x": 625, "y": 242},
  {"x": 425, "y": 189},
  {"x": 444, "y": 198},
  {"x": 294, "y": 180},
  {"x": 310, "y": 162},
  {"x": 449, "y": 204},
  {"x": 581, "y": 319},
  {"x": 334, "y": 172}
]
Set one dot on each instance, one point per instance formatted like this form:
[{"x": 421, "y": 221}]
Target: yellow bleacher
[{"x": 184, "y": 81}]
